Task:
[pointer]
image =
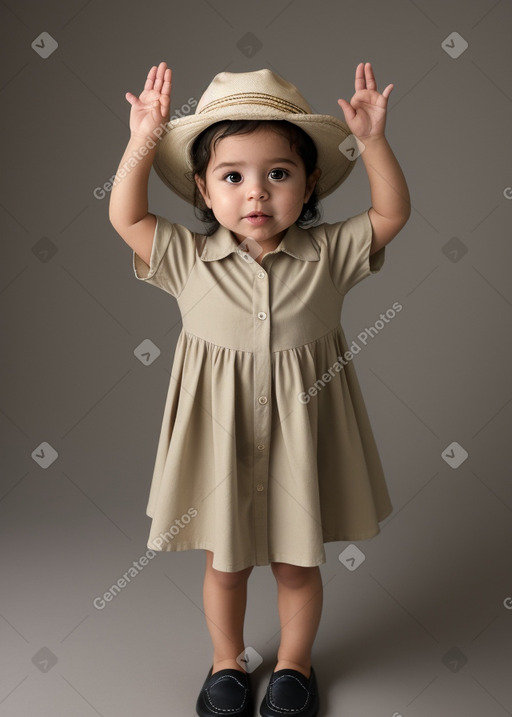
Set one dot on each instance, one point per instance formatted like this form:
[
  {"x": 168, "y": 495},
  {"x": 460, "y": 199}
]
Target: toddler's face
[{"x": 256, "y": 172}]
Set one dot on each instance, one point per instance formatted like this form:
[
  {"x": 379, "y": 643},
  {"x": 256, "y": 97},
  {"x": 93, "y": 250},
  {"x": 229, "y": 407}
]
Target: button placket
[{"x": 262, "y": 375}]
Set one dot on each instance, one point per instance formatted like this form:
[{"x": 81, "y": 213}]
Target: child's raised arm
[
  {"x": 366, "y": 117},
  {"x": 128, "y": 208}
]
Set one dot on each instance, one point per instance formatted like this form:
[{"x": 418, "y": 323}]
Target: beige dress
[{"x": 266, "y": 451}]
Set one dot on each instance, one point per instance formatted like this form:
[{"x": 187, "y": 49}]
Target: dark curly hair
[{"x": 201, "y": 152}]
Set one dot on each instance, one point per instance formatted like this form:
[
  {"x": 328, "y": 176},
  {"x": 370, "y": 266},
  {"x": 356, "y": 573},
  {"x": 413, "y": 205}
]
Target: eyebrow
[{"x": 243, "y": 164}]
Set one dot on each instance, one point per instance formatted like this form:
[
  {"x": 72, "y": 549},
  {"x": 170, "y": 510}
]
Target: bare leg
[
  {"x": 225, "y": 600},
  {"x": 300, "y": 598}
]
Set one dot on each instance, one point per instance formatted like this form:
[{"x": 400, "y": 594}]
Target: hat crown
[{"x": 262, "y": 87}]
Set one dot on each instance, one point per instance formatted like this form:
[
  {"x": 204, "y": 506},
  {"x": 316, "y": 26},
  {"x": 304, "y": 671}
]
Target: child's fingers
[
  {"x": 164, "y": 105},
  {"x": 387, "y": 91},
  {"x": 370, "y": 77},
  {"x": 150, "y": 80},
  {"x": 347, "y": 108},
  {"x": 160, "y": 76},
  {"x": 360, "y": 81},
  {"x": 166, "y": 87}
]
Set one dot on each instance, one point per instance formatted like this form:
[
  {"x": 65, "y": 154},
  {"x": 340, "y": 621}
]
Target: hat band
[{"x": 253, "y": 98}]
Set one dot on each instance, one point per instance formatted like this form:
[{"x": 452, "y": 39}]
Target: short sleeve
[
  {"x": 173, "y": 255},
  {"x": 349, "y": 245}
]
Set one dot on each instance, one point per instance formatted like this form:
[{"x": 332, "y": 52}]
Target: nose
[{"x": 257, "y": 190}]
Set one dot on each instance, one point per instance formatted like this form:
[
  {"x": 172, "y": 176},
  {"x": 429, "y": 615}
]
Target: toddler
[{"x": 266, "y": 451}]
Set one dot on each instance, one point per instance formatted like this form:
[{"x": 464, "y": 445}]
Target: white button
[
  {"x": 261, "y": 274},
  {"x": 260, "y": 486},
  {"x": 262, "y": 399},
  {"x": 261, "y": 447},
  {"x": 262, "y": 315}
]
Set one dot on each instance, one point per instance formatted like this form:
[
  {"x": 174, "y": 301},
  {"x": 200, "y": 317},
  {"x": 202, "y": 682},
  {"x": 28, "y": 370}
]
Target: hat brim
[{"x": 172, "y": 158}]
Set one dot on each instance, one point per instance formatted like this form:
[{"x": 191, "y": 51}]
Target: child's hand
[
  {"x": 366, "y": 113},
  {"x": 154, "y": 103}
]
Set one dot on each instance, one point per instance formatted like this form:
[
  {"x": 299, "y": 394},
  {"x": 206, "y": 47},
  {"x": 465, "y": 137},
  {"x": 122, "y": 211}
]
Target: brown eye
[
  {"x": 282, "y": 172},
  {"x": 233, "y": 174}
]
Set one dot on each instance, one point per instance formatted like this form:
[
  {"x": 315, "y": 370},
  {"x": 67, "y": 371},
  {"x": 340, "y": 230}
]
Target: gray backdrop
[{"x": 423, "y": 625}]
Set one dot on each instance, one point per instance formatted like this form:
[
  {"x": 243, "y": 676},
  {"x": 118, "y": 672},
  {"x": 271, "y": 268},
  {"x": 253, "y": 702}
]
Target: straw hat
[{"x": 252, "y": 95}]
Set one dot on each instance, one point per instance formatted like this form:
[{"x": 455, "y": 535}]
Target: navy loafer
[
  {"x": 226, "y": 692},
  {"x": 291, "y": 693}
]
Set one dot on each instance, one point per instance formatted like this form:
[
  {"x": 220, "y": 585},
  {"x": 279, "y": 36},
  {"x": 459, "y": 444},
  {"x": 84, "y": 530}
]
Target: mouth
[{"x": 257, "y": 218}]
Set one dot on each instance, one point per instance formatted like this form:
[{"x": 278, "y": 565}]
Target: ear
[
  {"x": 201, "y": 184},
  {"x": 311, "y": 182}
]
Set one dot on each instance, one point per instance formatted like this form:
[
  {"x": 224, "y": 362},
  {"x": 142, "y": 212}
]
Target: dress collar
[{"x": 296, "y": 242}]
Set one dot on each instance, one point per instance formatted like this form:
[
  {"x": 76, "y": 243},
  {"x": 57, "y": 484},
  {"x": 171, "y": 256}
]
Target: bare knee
[
  {"x": 228, "y": 581},
  {"x": 292, "y": 576}
]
